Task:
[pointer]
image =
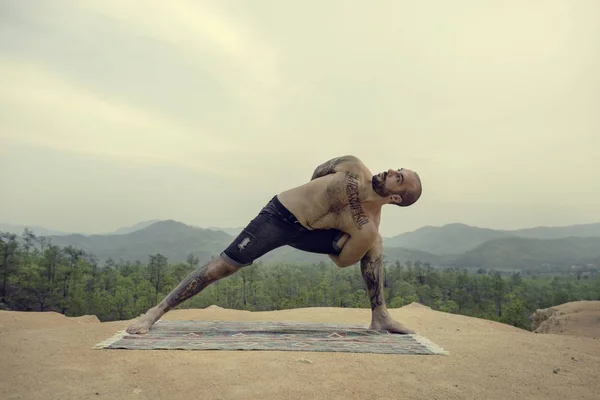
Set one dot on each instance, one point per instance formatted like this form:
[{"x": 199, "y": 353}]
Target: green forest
[{"x": 36, "y": 275}]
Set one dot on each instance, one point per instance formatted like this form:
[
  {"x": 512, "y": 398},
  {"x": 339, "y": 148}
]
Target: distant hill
[
  {"x": 37, "y": 230},
  {"x": 447, "y": 239},
  {"x": 133, "y": 228},
  {"x": 458, "y": 238},
  {"x": 172, "y": 239},
  {"x": 517, "y": 253},
  {"x": 18, "y": 229},
  {"x": 391, "y": 254},
  {"x": 176, "y": 241},
  {"x": 557, "y": 232},
  {"x": 453, "y": 245},
  {"x": 231, "y": 231}
]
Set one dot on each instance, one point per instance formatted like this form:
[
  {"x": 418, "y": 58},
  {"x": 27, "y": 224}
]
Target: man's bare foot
[
  {"x": 383, "y": 322},
  {"x": 143, "y": 324}
]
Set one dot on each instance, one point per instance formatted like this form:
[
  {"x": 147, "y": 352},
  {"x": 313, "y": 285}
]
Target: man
[{"x": 336, "y": 213}]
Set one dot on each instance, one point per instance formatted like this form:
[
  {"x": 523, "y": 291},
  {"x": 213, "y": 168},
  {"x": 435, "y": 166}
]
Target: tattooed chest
[{"x": 344, "y": 199}]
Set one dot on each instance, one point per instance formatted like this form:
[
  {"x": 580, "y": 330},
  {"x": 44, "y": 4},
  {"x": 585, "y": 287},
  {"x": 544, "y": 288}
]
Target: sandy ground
[
  {"x": 47, "y": 356},
  {"x": 578, "y": 318}
]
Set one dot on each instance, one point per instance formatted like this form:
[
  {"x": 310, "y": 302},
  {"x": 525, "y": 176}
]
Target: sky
[{"x": 114, "y": 112}]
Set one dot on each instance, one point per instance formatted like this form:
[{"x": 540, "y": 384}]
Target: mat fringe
[
  {"x": 116, "y": 337},
  {"x": 429, "y": 344}
]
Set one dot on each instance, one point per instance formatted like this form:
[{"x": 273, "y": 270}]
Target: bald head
[
  {"x": 412, "y": 194},
  {"x": 402, "y": 186}
]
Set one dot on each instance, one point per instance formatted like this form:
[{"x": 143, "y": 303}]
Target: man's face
[{"x": 394, "y": 181}]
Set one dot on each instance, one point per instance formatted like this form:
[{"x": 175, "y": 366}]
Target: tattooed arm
[
  {"x": 372, "y": 272},
  {"x": 354, "y": 249},
  {"x": 344, "y": 163}
]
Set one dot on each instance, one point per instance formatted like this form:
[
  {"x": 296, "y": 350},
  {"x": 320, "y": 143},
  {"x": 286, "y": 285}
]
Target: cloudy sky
[{"x": 117, "y": 111}]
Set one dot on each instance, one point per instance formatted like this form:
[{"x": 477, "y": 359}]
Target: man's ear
[{"x": 395, "y": 198}]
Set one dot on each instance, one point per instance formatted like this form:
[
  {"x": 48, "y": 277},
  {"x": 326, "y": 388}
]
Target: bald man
[{"x": 336, "y": 213}]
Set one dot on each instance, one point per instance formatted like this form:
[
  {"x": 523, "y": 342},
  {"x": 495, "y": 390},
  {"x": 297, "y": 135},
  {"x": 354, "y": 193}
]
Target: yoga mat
[{"x": 270, "y": 336}]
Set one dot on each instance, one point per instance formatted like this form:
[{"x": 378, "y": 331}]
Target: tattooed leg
[
  {"x": 193, "y": 284},
  {"x": 372, "y": 275},
  {"x": 372, "y": 272}
]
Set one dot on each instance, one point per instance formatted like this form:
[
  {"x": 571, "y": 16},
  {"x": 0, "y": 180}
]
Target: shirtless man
[{"x": 336, "y": 213}]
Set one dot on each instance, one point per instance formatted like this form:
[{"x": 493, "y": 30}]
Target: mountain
[
  {"x": 453, "y": 245},
  {"x": 447, "y": 239},
  {"x": 391, "y": 254},
  {"x": 176, "y": 241},
  {"x": 518, "y": 253},
  {"x": 557, "y": 232},
  {"x": 450, "y": 239},
  {"x": 37, "y": 230},
  {"x": 231, "y": 231},
  {"x": 459, "y": 238},
  {"x": 41, "y": 231},
  {"x": 172, "y": 239},
  {"x": 133, "y": 228},
  {"x": 403, "y": 255}
]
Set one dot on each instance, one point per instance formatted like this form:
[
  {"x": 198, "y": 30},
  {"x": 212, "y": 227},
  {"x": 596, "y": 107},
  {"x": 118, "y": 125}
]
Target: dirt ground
[
  {"x": 578, "y": 318},
  {"x": 48, "y": 356}
]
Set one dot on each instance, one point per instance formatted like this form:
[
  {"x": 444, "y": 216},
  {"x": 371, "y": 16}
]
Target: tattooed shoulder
[{"x": 329, "y": 167}]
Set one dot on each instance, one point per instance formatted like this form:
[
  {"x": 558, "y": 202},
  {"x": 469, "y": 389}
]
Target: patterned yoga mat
[{"x": 278, "y": 336}]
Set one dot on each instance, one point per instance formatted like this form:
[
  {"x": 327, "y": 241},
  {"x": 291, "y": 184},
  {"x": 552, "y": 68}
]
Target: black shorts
[{"x": 275, "y": 226}]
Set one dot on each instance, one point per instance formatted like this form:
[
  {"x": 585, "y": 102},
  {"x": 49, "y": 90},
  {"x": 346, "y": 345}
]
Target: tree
[
  {"x": 498, "y": 287},
  {"x": 48, "y": 277},
  {"x": 516, "y": 313},
  {"x": 68, "y": 269},
  {"x": 8, "y": 256},
  {"x": 156, "y": 268}
]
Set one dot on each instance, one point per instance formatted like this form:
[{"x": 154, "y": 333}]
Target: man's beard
[{"x": 379, "y": 186}]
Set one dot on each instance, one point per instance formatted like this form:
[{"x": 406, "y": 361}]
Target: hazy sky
[{"x": 114, "y": 112}]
